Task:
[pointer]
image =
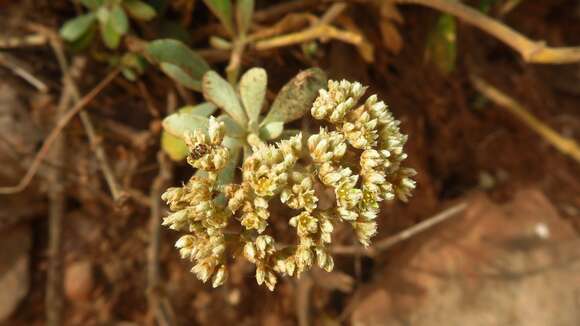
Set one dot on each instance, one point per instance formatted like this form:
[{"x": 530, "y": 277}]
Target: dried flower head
[{"x": 357, "y": 155}]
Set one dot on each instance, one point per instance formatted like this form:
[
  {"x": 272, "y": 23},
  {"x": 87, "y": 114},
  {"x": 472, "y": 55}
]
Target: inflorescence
[{"x": 358, "y": 154}]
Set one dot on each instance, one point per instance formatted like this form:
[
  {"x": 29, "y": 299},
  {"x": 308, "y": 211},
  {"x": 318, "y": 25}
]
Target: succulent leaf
[
  {"x": 272, "y": 130},
  {"x": 222, "y": 9},
  {"x": 180, "y": 122},
  {"x": 174, "y": 146},
  {"x": 178, "y": 54},
  {"x": 218, "y": 91},
  {"x": 75, "y": 28},
  {"x": 253, "y": 86},
  {"x": 244, "y": 12},
  {"x": 297, "y": 96},
  {"x": 139, "y": 9}
]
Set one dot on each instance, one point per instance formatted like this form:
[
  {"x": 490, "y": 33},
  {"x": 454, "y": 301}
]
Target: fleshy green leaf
[
  {"x": 441, "y": 45},
  {"x": 110, "y": 36},
  {"x": 287, "y": 133},
  {"x": 119, "y": 20},
  {"x": 85, "y": 40},
  {"x": 228, "y": 173},
  {"x": 180, "y": 76},
  {"x": 272, "y": 130},
  {"x": 253, "y": 86},
  {"x": 204, "y": 109},
  {"x": 174, "y": 146},
  {"x": 180, "y": 122},
  {"x": 178, "y": 54},
  {"x": 232, "y": 128},
  {"x": 244, "y": 12},
  {"x": 297, "y": 96},
  {"x": 75, "y": 28},
  {"x": 92, "y": 4},
  {"x": 139, "y": 9},
  {"x": 222, "y": 9},
  {"x": 218, "y": 91}
]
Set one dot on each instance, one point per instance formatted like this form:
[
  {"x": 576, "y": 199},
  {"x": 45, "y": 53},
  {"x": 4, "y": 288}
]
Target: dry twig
[
  {"x": 564, "y": 145},
  {"x": 157, "y": 301},
  {"x": 12, "y": 64},
  {"x": 303, "y": 291},
  {"x": 56, "y": 193},
  {"x": 388, "y": 242},
  {"x": 98, "y": 149},
  {"x": 12, "y": 42},
  {"x": 532, "y": 51}
]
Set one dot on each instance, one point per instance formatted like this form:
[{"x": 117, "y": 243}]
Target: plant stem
[{"x": 530, "y": 50}]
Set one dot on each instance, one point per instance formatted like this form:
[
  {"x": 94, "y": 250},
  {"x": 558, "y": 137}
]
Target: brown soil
[{"x": 458, "y": 142}]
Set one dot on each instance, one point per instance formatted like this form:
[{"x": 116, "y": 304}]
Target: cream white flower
[{"x": 354, "y": 162}]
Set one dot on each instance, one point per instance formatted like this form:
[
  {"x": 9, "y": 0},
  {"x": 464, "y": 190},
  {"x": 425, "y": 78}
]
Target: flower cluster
[
  {"x": 370, "y": 131},
  {"x": 357, "y": 156}
]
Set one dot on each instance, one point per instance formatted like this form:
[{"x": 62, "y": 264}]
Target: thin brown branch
[
  {"x": 532, "y": 51},
  {"x": 565, "y": 145},
  {"x": 154, "y": 292},
  {"x": 12, "y": 42},
  {"x": 94, "y": 139},
  {"x": 388, "y": 242},
  {"x": 56, "y": 194},
  {"x": 317, "y": 32},
  {"x": 303, "y": 292},
  {"x": 157, "y": 301},
  {"x": 11, "y": 63}
]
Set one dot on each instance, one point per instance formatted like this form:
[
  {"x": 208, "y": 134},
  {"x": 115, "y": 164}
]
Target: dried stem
[
  {"x": 94, "y": 139},
  {"x": 532, "y": 51},
  {"x": 154, "y": 294},
  {"x": 12, "y": 42},
  {"x": 388, "y": 242},
  {"x": 564, "y": 145},
  {"x": 12, "y": 64},
  {"x": 157, "y": 302},
  {"x": 54, "y": 278},
  {"x": 317, "y": 32},
  {"x": 303, "y": 291}
]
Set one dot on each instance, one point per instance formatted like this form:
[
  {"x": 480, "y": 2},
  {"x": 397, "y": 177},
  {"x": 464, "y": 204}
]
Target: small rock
[
  {"x": 79, "y": 281},
  {"x": 15, "y": 244},
  {"x": 512, "y": 264},
  {"x": 372, "y": 310}
]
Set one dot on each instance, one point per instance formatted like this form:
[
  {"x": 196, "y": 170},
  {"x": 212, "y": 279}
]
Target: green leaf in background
[
  {"x": 174, "y": 146},
  {"x": 232, "y": 128},
  {"x": 139, "y": 9},
  {"x": 218, "y": 91},
  {"x": 119, "y": 20},
  {"x": 75, "y": 28},
  {"x": 272, "y": 130},
  {"x": 297, "y": 96},
  {"x": 244, "y": 12},
  {"x": 92, "y": 4},
  {"x": 253, "y": 85},
  {"x": 177, "y": 54},
  {"x": 486, "y": 5},
  {"x": 180, "y": 122},
  {"x": 85, "y": 40},
  {"x": 109, "y": 33},
  {"x": 222, "y": 9},
  {"x": 442, "y": 44},
  {"x": 228, "y": 173},
  {"x": 180, "y": 76},
  {"x": 134, "y": 61}
]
